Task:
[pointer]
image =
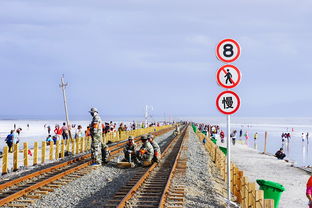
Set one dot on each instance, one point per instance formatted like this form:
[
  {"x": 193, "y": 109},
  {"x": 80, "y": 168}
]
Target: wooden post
[
  {"x": 51, "y": 150},
  {"x": 35, "y": 153},
  {"x": 265, "y": 141},
  {"x": 240, "y": 186},
  {"x": 15, "y": 157},
  {"x": 259, "y": 199},
  {"x": 43, "y": 152},
  {"x": 5, "y": 160},
  {"x": 268, "y": 203},
  {"x": 251, "y": 194},
  {"x": 63, "y": 149},
  {"x": 57, "y": 149}
]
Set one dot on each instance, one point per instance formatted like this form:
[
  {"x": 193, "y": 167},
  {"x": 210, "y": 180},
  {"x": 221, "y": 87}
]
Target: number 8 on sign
[{"x": 228, "y": 50}]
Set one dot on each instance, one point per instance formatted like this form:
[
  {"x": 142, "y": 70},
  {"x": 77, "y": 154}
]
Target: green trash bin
[
  {"x": 214, "y": 140},
  {"x": 271, "y": 190},
  {"x": 223, "y": 149}
]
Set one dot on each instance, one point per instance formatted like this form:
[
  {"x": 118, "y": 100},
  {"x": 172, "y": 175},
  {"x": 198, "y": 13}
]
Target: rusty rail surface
[
  {"x": 11, "y": 190},
  {"x": 150, "y": 183}
]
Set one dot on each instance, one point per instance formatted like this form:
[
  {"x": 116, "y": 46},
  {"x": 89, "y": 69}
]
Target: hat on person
[
  {"x": 93, "y": 110},
  {"x": 149, "y": 136},
  {"x": 144, "y": 138},
  {"x": 130, "y": 138}
]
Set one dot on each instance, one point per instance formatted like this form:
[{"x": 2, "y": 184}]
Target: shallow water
[{"x": 296, "y": 150}]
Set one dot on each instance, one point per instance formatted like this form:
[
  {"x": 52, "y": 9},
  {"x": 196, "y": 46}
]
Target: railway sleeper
[{"x": 17, "y": 205}]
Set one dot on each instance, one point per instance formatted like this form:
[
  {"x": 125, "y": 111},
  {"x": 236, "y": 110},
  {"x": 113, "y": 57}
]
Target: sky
[{"x": 119, "y": 56}]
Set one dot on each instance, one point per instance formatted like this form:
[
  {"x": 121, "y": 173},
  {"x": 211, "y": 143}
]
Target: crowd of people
[{"x": 13, "y": 138}]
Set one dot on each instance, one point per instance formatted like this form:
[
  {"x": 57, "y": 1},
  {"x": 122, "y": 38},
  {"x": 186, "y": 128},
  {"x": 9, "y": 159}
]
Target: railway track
[
  {"x": 151, "y": 187},
  {"x": 21, "y": 192}
]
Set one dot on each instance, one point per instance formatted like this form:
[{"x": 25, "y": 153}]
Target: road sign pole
[{"x": 228, "y": 164}]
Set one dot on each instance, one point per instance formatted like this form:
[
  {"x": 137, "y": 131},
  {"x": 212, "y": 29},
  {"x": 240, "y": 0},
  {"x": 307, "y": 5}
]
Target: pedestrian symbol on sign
[
  {"x": 227, "y": 102},
  {"x": 228, "y": 77}
]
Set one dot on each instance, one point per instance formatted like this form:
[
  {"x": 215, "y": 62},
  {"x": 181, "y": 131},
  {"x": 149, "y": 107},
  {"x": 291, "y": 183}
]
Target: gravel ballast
[
  {"x": 93, "y": 189},
  {"x": 202, "y": 187}
]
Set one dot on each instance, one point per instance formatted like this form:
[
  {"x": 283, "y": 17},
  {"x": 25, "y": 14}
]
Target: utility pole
[
  {"x": 63, "y": 85},
  {"x": 146, "y": 115}
]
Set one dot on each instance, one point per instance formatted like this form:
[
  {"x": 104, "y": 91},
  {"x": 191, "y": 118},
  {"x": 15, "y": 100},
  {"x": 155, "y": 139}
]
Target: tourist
[
  {"x": 49, "y": 130},
  {"x": 9, "y": 140},
  {"x": 78, "y": 133},
  {"x": 246, "y": 136},
  {"x": 49, "y": 139},
  {"x": 17, "y": 135},
  {"x": 255, "y": 136},
  {"x": 222, "y": 136},
  {"x": 65, "y": 133},
  {"x": 280, "y": 154},
  {"x": 233, "y": 136},
  {"x": 58, "y": 131},
  {"x": 302, "y": 137}
]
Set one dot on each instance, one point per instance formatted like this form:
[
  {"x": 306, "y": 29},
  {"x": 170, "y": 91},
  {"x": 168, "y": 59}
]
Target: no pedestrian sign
[
  {"x": 228, "y": 50},
  {"x": 228, "y": 76},
  {"x": 228, "y": 102}
]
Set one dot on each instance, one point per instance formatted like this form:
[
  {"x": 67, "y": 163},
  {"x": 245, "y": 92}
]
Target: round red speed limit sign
[
  {"x": 228, "y": 76},
  {"x": 228, "y": 50},
  {"x": 228, "y": 102}
]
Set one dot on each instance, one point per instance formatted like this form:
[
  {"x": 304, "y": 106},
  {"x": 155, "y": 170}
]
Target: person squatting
[{"x": 148, "y": 153}]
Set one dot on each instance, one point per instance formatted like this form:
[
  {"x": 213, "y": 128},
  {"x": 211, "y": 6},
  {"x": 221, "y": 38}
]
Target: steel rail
[
  {"x": 44, "y": 182},
  {"x": 139, "y": 183}
]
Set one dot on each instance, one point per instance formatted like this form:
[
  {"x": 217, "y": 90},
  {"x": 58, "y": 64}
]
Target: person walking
[
  {"x": 98, "y": 148},
  {"x": 10, "y": 140},
  {"x": 246, "y": 137}
]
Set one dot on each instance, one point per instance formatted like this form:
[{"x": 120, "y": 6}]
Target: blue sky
[{"x": 121, "y": 55}]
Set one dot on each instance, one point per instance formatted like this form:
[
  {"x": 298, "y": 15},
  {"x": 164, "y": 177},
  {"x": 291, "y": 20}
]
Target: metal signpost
[{"x": 228, "y": 102}]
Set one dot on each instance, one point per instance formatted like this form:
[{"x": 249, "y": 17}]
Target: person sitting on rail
[
  {"x": 157, "y": 153},
  {"x": 129, "y": 151},
  {"x": 146, "y": 152},
  {"x": 177, "y": 130}
]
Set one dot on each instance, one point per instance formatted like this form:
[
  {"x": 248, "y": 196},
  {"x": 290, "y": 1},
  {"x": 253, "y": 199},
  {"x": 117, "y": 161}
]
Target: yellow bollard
[
  {"x": 73, "y": 146},
  {"x": 51, "y": 150},
  {"x": 43, "y": 152},
  {"x": 57, "y": 149},
  {"x": 25, "y": 154},
  {"x": 35, "y": 153},
  {"x": 83, "y": 139},
  {"x": 15, "y": 157},
  {"x": 63, "y": 149},
  {"x": 77, "y": 145},
  {"x": 5, "y": 160},
  {"x": 67, "y": 144}
]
